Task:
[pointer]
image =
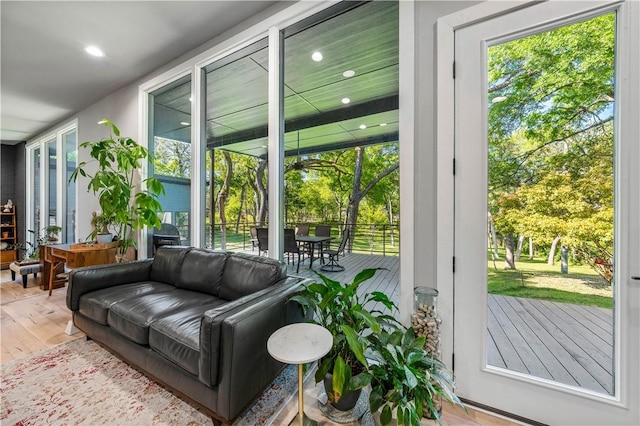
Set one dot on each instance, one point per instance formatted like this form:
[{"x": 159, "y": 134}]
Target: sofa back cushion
[
  {"x": 202, "y": 271},
  {"x": 245, "y": 274},
  {"x": 167, "y": 264}
]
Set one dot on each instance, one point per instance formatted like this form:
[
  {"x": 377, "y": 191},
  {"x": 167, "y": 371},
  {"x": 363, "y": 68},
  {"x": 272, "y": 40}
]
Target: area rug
[{"x": 80, "y": 383}]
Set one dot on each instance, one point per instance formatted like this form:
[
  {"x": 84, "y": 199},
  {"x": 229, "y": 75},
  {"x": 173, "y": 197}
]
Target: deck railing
[{"x": 367, "y": 238}]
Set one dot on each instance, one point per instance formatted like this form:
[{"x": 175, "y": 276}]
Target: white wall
[{"x": 121, "y": 108}]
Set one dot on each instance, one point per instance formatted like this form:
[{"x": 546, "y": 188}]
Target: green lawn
[{"x": 536, "y": 280}]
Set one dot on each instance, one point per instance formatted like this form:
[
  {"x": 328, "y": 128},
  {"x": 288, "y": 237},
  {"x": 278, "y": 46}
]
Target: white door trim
[{"x": 445, "y": 136}]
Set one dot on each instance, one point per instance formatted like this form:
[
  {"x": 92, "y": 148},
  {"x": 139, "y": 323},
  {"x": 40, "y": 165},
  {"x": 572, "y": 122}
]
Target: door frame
[{"x": 627, "y": 65}]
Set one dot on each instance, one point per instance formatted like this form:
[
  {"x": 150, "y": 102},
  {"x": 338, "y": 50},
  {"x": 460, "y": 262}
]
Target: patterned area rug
[{"x": 80, "y": 383}]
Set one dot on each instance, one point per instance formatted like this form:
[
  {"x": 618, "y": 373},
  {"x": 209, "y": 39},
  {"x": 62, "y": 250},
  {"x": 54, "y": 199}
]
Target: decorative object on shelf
[
  {"x": 8, "y": 235},
  {"x": 340, "y": 309},
  {"x": 116, "y": 161}
]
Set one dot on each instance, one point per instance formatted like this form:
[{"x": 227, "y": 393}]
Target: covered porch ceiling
[{"x": 357, "y": 37}]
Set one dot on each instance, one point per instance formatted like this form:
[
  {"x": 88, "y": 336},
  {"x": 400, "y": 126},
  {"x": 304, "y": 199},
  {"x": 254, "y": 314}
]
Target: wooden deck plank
[
  {"x": 508, "y": 353},
  {"x": 590, "y": 321},
  {"x": 553, "y": 341},
  {"x": 566, "y": 339},
  {"x": 539, "y": 361},
  {"x": 593, "y": 344},
  {"x": 493, "y": 353}
]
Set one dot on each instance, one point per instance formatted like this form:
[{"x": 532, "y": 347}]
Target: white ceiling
[{"x": 45, "y": 74}]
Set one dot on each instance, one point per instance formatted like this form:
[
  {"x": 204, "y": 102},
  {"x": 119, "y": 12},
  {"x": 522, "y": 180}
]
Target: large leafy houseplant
[
  {"x": 340, "y": 309},
  {"x": 406, "y": 379},
  {"x": 117, "y": 159}
]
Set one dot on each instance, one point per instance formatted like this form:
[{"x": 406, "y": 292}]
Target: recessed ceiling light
[
  {"x": 383, "y": 124},
  {"x": 184, "y": 123},
  {"x": 498, "y": 99},
  {"x": 264, "y": 146},
  {"x": 94, "y": 51},
  {"x": 316, "y": 56},
  {"x": 363, "y": 126},
  {"x": 348, "y": 73},
  {"x": 190, "y": 98},
  {"x": 346, "y": 100}
]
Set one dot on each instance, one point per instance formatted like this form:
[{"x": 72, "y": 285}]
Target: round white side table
[{"x": 300, "y": 343}]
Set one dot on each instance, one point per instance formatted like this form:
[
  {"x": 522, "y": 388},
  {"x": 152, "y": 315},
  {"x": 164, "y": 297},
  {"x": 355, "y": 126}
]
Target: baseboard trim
[{"x": 501, "y": 413}]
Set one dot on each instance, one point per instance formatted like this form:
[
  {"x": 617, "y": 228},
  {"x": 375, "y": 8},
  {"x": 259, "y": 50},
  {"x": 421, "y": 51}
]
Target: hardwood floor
[{"x": 30, "y": 321}]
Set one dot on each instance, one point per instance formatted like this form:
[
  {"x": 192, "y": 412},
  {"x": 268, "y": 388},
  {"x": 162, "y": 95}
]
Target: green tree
[{"x": 549, "y": 94}]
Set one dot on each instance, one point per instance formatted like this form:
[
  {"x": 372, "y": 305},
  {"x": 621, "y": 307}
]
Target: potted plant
[
  {"x": 51, "y": 233},
  {"x": 117, "y": 159},
  {"x": 406, "y": 379},
  {"x": 340, "y": 309},
  {"x": 100, "y": 224}
]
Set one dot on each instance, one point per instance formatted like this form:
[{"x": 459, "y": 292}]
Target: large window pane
[
  {"x": 69, "y": 145},
  {"x": 170, "y": 146},
  {"x": 236, "y": 131},
  {"x": 341, "y": 125},
  {"x": 52, "y": 193}
]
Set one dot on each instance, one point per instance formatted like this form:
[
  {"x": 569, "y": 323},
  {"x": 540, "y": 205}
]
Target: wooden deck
[{"x": 569, "y": 344}]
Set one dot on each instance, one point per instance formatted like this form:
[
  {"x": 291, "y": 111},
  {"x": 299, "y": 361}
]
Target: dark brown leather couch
[{"x": 195, "y": 320}]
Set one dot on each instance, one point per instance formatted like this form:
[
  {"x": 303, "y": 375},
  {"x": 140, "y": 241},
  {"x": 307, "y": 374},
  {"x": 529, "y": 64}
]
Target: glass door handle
[{"x": 633, "y": 277}]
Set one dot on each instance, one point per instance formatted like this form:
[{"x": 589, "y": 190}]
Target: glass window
[
  {"x": 69, "y": 146},
  {"x": 341, "y": 124},
  {"x": 170, "y": 146},
  {"x": 236, "y": 158}
]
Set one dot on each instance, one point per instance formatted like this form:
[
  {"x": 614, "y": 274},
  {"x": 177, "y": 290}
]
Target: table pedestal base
[{"x": 306, "y": 421}]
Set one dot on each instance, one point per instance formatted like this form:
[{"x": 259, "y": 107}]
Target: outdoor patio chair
[
  {"x": 323, "y": 231},
  {"x": 291, "y": 248},
  {"x": 333, "y": 265},
  {"x": 302, "y": 229},
  {"x": 263, "y": 240},
  {"x": 254, "y": 237}
]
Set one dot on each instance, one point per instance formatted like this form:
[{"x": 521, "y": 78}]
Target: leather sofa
[{"x": 195, "y": 320}]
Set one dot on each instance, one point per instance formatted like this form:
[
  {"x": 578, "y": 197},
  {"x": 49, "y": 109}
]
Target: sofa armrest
[
  {"x": 245, "y": 366},
  {"x": 92, "y": 278}
]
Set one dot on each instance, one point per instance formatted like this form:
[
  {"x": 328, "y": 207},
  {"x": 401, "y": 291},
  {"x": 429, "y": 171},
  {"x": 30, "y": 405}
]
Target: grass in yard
[{"x": 536, "y": 280}]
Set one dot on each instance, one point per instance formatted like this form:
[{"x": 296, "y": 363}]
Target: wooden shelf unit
[{"x": 8, "y": 235}]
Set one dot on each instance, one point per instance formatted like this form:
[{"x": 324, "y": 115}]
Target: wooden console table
[{"x": 75, "y": 256}]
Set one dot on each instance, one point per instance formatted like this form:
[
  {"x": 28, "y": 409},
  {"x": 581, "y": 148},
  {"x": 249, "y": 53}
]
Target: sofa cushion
[
  {"x": 96, "y": 304},
  {"x": 167, "y": 264},
  {"x": 177, "y": 336},
  {"x": 245, "y": 274},
  {"x": 202, "y": 271},
  {"x": 132, "y": 317}
]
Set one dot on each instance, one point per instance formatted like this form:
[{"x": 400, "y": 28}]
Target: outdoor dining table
[{"x": 312, "y": 240}]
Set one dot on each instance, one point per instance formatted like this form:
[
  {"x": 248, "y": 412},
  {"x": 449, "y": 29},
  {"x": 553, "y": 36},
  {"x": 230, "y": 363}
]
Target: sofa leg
[
  {"x": 216, "y": 422},
  {"x": 89, "y": 338}
]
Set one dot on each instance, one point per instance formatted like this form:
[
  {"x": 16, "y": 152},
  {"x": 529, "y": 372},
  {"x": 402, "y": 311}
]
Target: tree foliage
[{"x": 551, "y": 140}]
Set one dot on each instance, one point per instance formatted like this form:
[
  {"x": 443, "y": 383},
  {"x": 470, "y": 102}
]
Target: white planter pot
[{"x": 104, "y": 238}]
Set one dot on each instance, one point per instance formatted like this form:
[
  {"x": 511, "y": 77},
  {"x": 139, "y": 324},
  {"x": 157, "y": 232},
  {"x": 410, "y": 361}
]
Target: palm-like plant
[{"x": 340, "y": 309}]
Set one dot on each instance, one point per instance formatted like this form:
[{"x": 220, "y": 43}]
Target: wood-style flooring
[{"x": 31, "y": 321}]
